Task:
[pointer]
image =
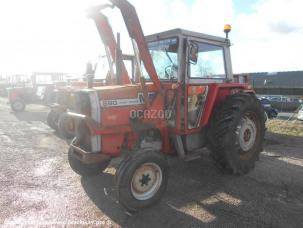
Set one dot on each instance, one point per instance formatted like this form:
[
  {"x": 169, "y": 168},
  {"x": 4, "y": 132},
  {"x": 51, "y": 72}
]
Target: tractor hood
[
  {"x": 111, "y": 105},
  {"x": 121, "y": 95}
]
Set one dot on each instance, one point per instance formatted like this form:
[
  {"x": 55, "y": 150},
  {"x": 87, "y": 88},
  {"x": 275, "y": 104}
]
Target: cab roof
[{"x": 183, "y": 32}]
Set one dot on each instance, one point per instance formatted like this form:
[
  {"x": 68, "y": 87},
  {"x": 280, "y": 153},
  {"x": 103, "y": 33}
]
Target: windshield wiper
[
  {"x": 174, "y": 66},
  {"x": 166, "y": 52}
]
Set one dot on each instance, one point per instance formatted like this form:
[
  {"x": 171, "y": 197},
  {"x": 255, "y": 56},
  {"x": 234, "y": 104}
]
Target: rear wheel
[
  {"x": 237, "y": 132},
  {"x": 53, "y": 118},
  {"x": 66, "y": 126},
  {"x": 85, "y": 169},
  {"x": 18, "y": 105},
  {"x": 142, "y": 179}
]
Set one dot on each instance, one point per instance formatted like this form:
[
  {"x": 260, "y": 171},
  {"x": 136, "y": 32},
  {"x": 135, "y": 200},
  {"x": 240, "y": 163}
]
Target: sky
[{"x": 55, "y": 35}]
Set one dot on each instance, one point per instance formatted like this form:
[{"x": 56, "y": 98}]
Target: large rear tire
[
  {"x": 237, "y": 132},
  {"x": 141, "y": 179},
  {"x": 53, "y": 118},
  {"x": 18, "y": 105},
  {"x": 66, "y": 126},
  {"x": 85, "y": 169}
]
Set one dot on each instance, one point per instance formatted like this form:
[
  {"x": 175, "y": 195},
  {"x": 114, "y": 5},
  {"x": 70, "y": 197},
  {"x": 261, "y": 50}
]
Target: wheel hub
[
  {"x": 247, "y": 133},
  {"x": 146, "y": 181}
]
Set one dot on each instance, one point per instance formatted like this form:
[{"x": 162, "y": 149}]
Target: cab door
[
  {"x": 196, "y": 97},
  {"x": 206, "y": 64}
]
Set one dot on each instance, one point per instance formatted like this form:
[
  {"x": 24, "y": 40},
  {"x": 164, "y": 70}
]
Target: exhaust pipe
[
  {"x": 119, "y": 61},
  {"x": 89, "y": 75}
]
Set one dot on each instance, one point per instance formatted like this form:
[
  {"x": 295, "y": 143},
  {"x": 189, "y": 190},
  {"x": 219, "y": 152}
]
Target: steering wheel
[{"x": 170, "y": 70}]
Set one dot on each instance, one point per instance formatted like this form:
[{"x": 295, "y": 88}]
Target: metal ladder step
[{"x": 195, "y": 155}]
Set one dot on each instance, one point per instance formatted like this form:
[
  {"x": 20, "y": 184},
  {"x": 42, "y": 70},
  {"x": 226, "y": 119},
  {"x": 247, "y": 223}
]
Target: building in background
[
  {"x": 284, "y": 90},
  {"x": 288, "y": 83}
]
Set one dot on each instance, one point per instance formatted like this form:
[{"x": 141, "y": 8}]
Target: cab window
[
  {"x": 164, "y": 54},
  {"x": 210, "y": 62}
]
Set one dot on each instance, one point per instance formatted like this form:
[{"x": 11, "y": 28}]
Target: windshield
[{"x": 164, "y": 54}]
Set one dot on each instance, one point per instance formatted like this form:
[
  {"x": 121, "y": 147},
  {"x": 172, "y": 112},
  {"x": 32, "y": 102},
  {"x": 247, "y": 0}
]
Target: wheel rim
[
  {"x": 247, "y": 132},
  {"x": 18, "y": 105},
  {"x": 146, "y": 181}
]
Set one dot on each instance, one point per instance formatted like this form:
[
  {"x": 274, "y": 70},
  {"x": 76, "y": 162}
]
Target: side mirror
[{"x": 193, "y": 53}]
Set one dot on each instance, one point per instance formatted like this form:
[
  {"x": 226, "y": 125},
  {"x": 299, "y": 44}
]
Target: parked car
[
  {"x": 269, "y": 110},
  {"x": 284, "y": 103},
  {"x": 300, "y": 113}
]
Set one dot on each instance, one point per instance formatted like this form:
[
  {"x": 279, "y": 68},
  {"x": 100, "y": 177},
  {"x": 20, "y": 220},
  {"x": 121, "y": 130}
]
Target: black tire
[
  {"x": 66, "y": 126},
  {"x": 273, "y": 114},
  {"x": 226, "y": 131},
  {"x": 53, "y": 118},
  {"x": 85, "y": 169},
  {"x": 125, "y": 175},
  {"x": 18, "y": 105}
]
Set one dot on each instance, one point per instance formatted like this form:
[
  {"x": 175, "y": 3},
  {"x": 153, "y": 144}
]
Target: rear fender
[{"x": 218, "y": 93}]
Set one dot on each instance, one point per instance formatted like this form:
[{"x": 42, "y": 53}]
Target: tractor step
[{"x": 195, "y": 155}]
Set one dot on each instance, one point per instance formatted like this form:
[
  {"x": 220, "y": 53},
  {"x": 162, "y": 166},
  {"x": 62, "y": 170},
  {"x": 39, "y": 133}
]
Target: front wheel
[
  {"x": 18, "y": 105},
  {"x": 141, "y": 179},
  {"x": 237, "y": 132}
]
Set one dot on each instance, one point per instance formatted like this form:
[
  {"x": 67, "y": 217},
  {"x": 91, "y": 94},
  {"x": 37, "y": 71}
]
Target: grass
[{"x": 284, "y": 127}]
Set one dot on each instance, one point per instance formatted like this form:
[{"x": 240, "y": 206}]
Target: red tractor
[
  {"x": 64, "y": 101},
  {"x": 39, "y": 89},
  {"x": 185, "y": 100}
]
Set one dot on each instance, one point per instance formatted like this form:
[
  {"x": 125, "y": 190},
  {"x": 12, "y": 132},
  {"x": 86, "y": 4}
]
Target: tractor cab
[
  {"x": 195, "y": 65},
  {"x": 191, "y": 57}
]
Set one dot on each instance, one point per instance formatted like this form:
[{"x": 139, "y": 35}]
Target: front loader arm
[
  {"x": 135, "y": 31},
  {"x": 108, "y": 39}
]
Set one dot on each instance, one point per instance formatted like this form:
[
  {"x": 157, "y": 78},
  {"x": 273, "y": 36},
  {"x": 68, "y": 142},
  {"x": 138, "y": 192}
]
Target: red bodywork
[
  {"x": 28, "y": 94},
  {"x": 116, "y": 127}
]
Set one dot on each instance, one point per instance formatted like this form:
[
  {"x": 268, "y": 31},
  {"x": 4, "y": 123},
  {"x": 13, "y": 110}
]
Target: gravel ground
[{"x": 39, "y": 189}]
